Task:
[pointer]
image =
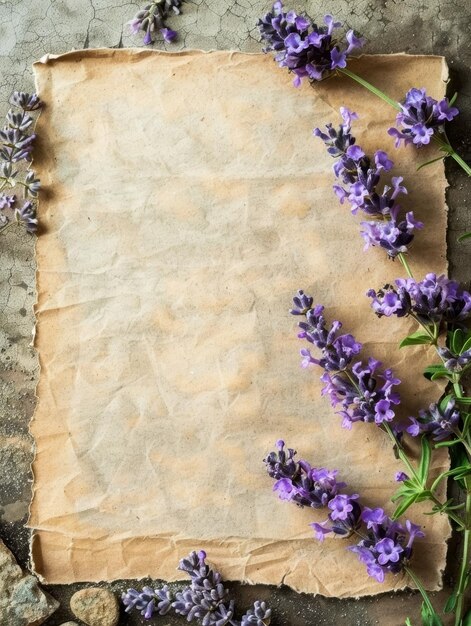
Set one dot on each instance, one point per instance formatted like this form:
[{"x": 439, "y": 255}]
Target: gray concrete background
[{"x": 31, "y": 28}]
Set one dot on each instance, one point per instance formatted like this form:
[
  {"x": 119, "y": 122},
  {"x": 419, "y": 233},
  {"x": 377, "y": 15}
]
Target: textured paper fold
[{"x": 186, "y": 201}]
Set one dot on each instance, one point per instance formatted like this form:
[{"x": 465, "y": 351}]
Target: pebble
[
  {"x": 95, "y": 607},
  {"x": 22, "y": 602},
  {"x": 69, "y": 624}
]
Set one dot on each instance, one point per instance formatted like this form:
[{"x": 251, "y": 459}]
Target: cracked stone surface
[
  {"x": 31, "y": 28},
  {"x": 22, "y": 603}
]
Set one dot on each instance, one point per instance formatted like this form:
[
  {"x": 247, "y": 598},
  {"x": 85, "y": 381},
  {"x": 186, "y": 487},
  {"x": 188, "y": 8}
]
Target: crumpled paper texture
[{"x": 186, "y": 200}]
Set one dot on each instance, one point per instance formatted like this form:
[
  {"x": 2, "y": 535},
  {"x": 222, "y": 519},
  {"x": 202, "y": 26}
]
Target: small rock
[
  {"x": 95, "y": 607},
  {"x": 69, "y": 624},
  {"x": 22, "y": 602}
]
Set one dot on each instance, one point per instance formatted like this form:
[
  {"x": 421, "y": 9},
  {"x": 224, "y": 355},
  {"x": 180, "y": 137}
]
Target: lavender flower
[
  {"x": 27, "y": 216},
  {"x": 432, "y": 300},
  {"x": 7, "y": 201},
  {"x": 298, "y": 482},
  {"x": 307, "y": 50},
  {"x": 259, "y": 615},
  {"x": 16, "y": 146},
  {"x": 388, "y": 546},
  {"x": 204, "y": 600},
  {"x": 152, "y": 19},
  {"x": 454, "y": 362},
  {"x": 361, "y": 176},
  {"x": 438, "y": 422},
  {"x": 25, "y": 101},
  {"x": 32, "y": 185},
  {"x": 421, "y": 117},
  {"x": 148, "y": 601},
  {"x": 364, "y": 391}
]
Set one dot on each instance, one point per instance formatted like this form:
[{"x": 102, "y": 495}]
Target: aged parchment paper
[{"x": 186, "y": 201}]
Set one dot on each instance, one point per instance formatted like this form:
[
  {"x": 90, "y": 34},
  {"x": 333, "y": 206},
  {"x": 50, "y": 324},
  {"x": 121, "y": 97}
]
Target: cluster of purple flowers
[
  {"x": 205, "y": 600},
  {"x": 307, "y": 50},
  {"x": 364, "y": 391},
  {"x": 16, "y": 145},
  {"x": 361, "y": 176},
  {"x": 298, "y": 482},
  {"x": 421, "y": 117},
  {"x": 151, "y": 19},
  {"x": 387, "y": 546},
  {"x": 438, "y": 422},
  {"x": 433, "y": 300}
]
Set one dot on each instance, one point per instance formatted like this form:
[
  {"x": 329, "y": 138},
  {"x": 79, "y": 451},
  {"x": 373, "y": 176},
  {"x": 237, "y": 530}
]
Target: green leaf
[
  {"x": 465, "y": 400},
  {"x": 467, "y": 619},
  {"x": 453, "y": 100},
  {"x": 408, "y": 622},
  {"x": 429, "y": 617},
  {"x": 467, "y": 343},
  {"x": 440, "y": 158},
  {"x": 447, "y": 444},
  {"x": 426, "y": 455},
  {"x": 464, "y": 237},
  {"x": 433, "y": 372},
  {"x": 457, "y": 341},
  {"x": 405, "y": 504},
  {"x": 416, "y": 339},
  {"x": 450, "y": 603},
  {"x": 445, "y": 400}
]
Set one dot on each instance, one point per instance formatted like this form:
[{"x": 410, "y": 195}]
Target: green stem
[
  {"x": 420, "y": 587},
  {"x": 462, "y": 580},
  {"x": 447, "y": 148},
  {"x": 370, "y": 87},
  {"x": 404, "y": 262}
]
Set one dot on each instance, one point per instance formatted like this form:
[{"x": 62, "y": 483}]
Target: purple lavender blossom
[
  {"x": 259, "y": 615},
  {"x": 439, "y": 423},
  {"x": 16, "y": 146},
  {"x": 364, "y": 391},
  {"x": 421, "y": 117},
  {"x": 151, "y": 19},
  {"x": 298, "y": 482},
  {"x": 432, "y": 300},
  {"x": 361, "y": 176},
  {"x": 388, "y": 546},
  {"x": 7, "y": 202},
  {"x": 454, "y": 362},
  {"x": 205, "y": 599},
  {"x": 27, "y": 216},
  {"x": 25, "y": 101},
  {"x": 401, "y": 477},
  {"x": 307, "y": 50},
  {"x": 393, "y": 235},
  {"x": 148, "y": 601}
]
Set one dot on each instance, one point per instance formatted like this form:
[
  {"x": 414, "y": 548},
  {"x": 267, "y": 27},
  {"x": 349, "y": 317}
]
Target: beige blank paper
[{"x": 186, "y": 200}]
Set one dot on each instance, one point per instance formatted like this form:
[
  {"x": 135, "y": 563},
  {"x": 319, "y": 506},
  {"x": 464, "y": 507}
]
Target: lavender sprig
[
  {"x": 16, "y": 145},
  {"x": 364, "y": 390},
  {"x": 421, "y": 116},
  {"x": 304, "y": 48},
  {"x": 205, "y": 600},
  {"x": 435, "y": 300},
  {"x": 363, "y": 189},
  {"x": 152, "y": 19},
  {"x": 310, "y": 51},
  {"x": 385, "y": 547}
]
